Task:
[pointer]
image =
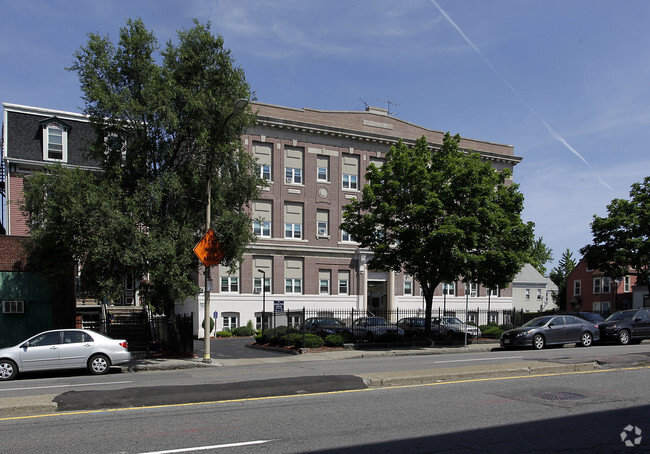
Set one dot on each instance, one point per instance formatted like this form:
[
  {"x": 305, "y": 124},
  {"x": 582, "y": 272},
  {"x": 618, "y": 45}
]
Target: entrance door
[{"x": 378, "y": 298}]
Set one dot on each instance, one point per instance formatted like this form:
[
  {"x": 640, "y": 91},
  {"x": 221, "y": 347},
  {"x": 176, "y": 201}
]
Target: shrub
[
  {"x": 311, "y": 341},
  {"x": 211, "y": 324},
  {"x": 242, "y": 331},
  {"x": 492, "y": 331},
  {"x": 334, "y": 340},
  {"x": 224, "y": 334}
]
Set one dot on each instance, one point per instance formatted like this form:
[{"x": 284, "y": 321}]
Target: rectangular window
[
  {"x": 292, "y": 231},
  {"x": 229, "y": 284},
  {"x": 322, "y": 168},
  {"x": 408, "y": 287},
  {"x": 493, "y": 317},
  {"x": 258, "y": 321},
  {"x": 596, "y": 286},
  {"x": 527, "y": 294},
  {"x": 293, "y": 220},
  {"x": 293, "y": 176},
  {"x": 13, "y": 307},
  {"x": 576, "y": 288},
  {"x": 350, "y": 182},
  {"x": 350, "y": 172},
  {"x": 471, "y": 289},
  {"x": 606, "y": 286},
  {"x": 293, "y": 275},
  {"x": 626, "y": 284},
  {"x": 229, "y": 322},
  {"x": 293, "y": 285},
  {"x": 493, "y": 291},
  {"x": 293, "y": 164},
  {"x": 324, "y": 277},
  {"x": 539, "y": 294},
  {"x": 262, "y": 212},
  {"x": 257, "y": 285},
  {"x": 449, "y": 289},
  {"x": 344, "y": 282},
  {"x": 55, "y": 141},
  {"x": 472, "y": 317},
  {"x": 262, "y": 228},
  {"x": 346, "y": 237},
  {"x": 263, "y": 153},
  {"x": 322, "y": 223}
]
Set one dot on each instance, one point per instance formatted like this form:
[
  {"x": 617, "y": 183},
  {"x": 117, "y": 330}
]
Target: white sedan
[{"x": 63, "y": 349}]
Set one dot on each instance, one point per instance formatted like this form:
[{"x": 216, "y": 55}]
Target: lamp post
[
  {"x": 237, "y": 108},
  {"x": 263, "y": 298}
]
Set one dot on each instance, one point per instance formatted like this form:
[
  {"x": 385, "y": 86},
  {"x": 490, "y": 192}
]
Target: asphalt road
[{"x": 574, "y": 412}]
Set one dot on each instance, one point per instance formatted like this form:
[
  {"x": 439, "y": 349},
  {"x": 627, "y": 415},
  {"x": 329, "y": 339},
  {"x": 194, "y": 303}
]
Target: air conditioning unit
[{"x": 322, "y": 231}]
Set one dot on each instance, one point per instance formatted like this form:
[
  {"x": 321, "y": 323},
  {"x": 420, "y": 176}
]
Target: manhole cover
[{"x": 559, "y": 396}]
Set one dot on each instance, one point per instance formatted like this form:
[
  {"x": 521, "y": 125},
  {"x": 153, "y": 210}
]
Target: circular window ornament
[{"x": 322, "y": 192}]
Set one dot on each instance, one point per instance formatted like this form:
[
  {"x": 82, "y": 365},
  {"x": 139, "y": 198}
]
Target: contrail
[{"x": 551, "y": 131}]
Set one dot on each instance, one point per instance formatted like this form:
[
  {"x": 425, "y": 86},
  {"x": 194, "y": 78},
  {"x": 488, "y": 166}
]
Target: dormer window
[{"x": 55, "y": 140}]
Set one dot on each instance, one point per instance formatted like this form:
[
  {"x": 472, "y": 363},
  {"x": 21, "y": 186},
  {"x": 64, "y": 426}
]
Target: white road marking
[
  {"x": 66, "y": 386},
  {"x": 477, "y": 359},
  {"x": 205, "y": 448}
]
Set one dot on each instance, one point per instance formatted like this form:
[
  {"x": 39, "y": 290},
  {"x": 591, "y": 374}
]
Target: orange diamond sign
[{"x": 208, "y": 250}]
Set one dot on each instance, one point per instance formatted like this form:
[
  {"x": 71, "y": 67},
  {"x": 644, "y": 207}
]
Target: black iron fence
[
  {"x": 478, "y": 322},
  {"x": 147, "y": 333}
]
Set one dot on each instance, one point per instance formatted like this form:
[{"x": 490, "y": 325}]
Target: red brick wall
[{"x": 12, "y": 253}]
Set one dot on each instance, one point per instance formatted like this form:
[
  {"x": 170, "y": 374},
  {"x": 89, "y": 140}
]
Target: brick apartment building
[
  {"x": 592, "y": 291},
  {"x": 314, "y": 162}
]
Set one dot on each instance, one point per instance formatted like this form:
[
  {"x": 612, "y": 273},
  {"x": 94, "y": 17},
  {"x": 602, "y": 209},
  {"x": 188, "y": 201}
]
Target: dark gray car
[
  {"x": 626, "y": 326},
  {"x": 551, "y": 330}
]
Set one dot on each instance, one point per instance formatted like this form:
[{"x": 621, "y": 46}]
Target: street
[{"x": 579, "y": 412}]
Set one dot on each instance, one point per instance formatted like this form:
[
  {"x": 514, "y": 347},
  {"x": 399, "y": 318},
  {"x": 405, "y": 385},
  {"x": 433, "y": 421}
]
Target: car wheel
[
  {"x": 8, "y": 369},
  {"x": 99, "y": 364},
  {"x": 538, "y": 342},
  {"x": 624, "y": 337},
  {"x": 586, "y": 339},
  {"x": 369, "y": 336}
]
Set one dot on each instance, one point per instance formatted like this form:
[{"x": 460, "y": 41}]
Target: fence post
[{"x": 303, "y": 327}]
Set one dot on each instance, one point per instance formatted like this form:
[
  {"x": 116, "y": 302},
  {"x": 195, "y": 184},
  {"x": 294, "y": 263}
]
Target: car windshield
[
  {"x": 452, "y": 321},
  {"x": 376, "y": 321},
  {"x": 539, "y": 321},
  {"x": 620, "y": 316}
]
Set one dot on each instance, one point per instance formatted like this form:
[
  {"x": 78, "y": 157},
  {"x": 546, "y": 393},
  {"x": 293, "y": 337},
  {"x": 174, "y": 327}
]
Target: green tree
[
  {"x": 539, "y": 255},
  {"x": 440, "y": 216},
  {"x": 621, "y": 240},
  {"x": 164, "y": 120},
  {"x": 559, "y": 276}
]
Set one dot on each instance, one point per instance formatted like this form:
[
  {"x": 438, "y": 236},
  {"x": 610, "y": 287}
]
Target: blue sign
[
  {"x": 278, "y": 306},
  {"x": 215, "y": 314}
]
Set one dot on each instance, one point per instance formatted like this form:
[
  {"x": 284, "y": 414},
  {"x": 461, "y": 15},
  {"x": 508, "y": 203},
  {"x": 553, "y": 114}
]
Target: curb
[{"x": 522, "y": 369}]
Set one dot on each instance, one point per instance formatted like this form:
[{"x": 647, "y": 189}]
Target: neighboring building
[
  {"x": 532, "y": 292},
  {"x": 592, "y": 291},
  {"x": 315, "y": 163}
]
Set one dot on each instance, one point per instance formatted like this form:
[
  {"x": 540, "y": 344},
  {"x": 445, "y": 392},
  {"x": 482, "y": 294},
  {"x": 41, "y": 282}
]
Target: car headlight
[{"x": 524, "y": 333}]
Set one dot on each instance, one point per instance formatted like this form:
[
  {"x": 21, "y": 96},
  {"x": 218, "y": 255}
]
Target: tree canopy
[
  {"x": 539, "y": 255},
  {"x": 164, "y": 119},
  {"x": 621, "y": 240},
  {"x": 440, "y": 216}
]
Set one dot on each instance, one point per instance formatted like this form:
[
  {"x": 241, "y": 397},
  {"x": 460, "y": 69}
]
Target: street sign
[
  {"x": 278, "y": 306},
  {"x": 208, "y": 250}
]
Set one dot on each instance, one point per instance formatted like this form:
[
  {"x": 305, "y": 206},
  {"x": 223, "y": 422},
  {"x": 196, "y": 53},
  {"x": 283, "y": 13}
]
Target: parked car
[
  {"x": 551, "y": 330},
  {"x": 323, "y": 326},
  {"x": 63, "y": 349},
  {"x": 370, "y": 327},
  {"x": 592, "y": 317},
  {"x": 451, "y": 326},
  {"x": 627, "y": 326},
  {"x": 412, "y": 326}
]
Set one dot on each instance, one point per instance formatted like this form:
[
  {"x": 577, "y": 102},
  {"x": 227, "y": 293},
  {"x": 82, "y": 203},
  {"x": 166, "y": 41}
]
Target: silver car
[{"x": 63, "y": 349}]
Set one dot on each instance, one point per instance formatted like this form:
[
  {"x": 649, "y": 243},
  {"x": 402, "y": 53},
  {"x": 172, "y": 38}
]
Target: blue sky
[{"x": 564, "y": 82}]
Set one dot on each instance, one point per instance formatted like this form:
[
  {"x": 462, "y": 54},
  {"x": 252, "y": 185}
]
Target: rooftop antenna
[
  {"x": 364, "y": 103},
  {"x": 389, "y": 103}
]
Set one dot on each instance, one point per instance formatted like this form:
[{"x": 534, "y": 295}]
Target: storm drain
[{"x": 559, "y": 396}]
